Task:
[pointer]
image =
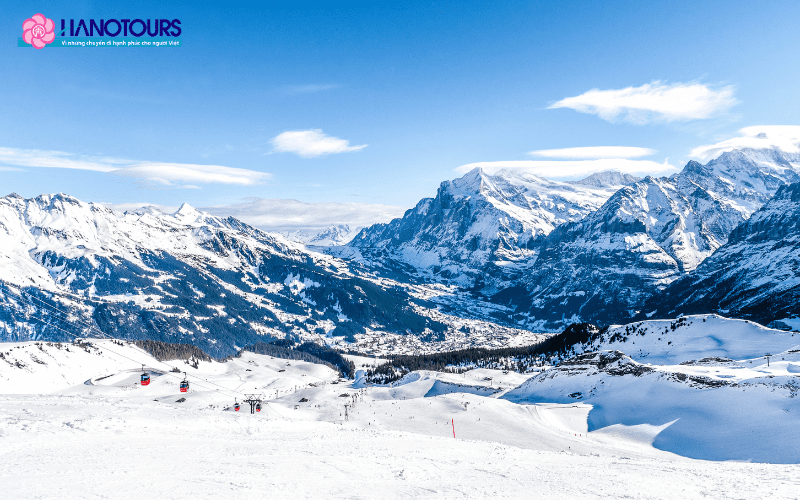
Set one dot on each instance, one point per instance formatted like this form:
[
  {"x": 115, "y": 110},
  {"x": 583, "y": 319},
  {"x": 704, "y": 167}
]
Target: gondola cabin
[
  {"x": 185, "y": 386},
  {"x": 145, "y": 378},
  {"x": 236, "y": 407},
  {"x": 258, "y": 407}
]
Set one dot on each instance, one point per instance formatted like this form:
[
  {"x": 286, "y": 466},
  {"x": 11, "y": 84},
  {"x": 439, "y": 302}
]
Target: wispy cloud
[
  {"x": 653, "y": 102},
  {"x": 309, "y": 88},
  {"x": 783, "y": 137},
  {"x": 291, "y": 215},
  {"x": 570, "y": 169},
  {"x": 311, "y": 143},
  {"x": 594, "y": 152},
  {"x": 148, "y": 173},
  {"x": 57, "y": 159},
  {"x": 170, "y": 174}
]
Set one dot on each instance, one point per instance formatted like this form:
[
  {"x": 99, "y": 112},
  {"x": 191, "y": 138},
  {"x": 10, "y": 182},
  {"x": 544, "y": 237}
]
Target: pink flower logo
[{"x": 38, "y": 31}]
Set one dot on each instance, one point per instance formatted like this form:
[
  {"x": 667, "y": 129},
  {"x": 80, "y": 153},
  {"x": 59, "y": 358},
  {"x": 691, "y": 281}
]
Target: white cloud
[
  {"x": 594, "y": 152},
  {"x": 783, "y": 137},
  {"x": 155, "y": 173},
  {"x": 653, "y": 102},
  {"x": 56, "y": 159},
  {"x": 170, "y": 174},
  {"x": 311, "y": 143},
  {"x": 290, "y": 215},
  {"x": 570, "y": 169}
]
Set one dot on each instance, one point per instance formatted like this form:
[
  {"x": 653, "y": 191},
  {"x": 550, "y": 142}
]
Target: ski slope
[
  {"x": 687, "y": 338},
  {"x": 77, "y": 424}
]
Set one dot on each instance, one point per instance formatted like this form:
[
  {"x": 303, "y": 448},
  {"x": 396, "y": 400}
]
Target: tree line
[{"x": 519, "y": 359}]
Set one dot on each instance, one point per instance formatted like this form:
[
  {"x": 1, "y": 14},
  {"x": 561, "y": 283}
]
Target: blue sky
[{"x": 375, "y": 103}]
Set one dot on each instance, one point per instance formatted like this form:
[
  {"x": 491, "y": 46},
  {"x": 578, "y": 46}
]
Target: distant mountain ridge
[
  {"x": 73, "y": 268},
  {"x": 333, "y": 235}
]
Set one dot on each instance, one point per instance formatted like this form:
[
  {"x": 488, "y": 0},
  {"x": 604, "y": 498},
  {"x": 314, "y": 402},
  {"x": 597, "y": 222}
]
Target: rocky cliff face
[
  {"x": 481, "y": 228},
  {"x": 755, "y": 275},
  {"x": 604, "y": 267}
]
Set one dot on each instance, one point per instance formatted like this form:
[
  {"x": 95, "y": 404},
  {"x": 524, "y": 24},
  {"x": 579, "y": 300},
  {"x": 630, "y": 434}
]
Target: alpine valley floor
[{"x": 75, "y": 423}]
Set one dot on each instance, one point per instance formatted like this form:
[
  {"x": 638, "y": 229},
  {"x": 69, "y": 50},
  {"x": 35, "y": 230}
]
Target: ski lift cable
[
  {"x": 77, "y": 337},
  {"x": 92, "y": 327}
]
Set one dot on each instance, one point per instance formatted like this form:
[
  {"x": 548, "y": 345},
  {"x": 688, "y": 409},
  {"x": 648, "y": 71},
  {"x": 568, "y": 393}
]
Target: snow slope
[
  {"x": 669, "y": 342},
  {"x": 714, "y": 410},
  {"x": 80, "y": 420},
  {"x": 88, "y": 448}
]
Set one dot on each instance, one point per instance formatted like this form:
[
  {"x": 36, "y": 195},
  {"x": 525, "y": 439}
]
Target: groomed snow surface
[{"x": 76, "y": 423}]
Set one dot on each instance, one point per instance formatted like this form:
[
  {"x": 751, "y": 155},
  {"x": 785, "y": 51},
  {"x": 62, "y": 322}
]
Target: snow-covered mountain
[
  {"x": 755, "y": 275},
  {"x": 334, "y": 235},
  {"x": 604, "y": 267},
  {"x": 67, "y": 266},
  {"x": 479, "y": 226}
]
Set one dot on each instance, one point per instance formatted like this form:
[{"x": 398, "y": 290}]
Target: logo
[{"x": 38, "y": 31}]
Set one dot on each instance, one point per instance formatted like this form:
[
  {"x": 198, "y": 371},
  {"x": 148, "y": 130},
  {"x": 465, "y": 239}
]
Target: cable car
[
  {"x": 236, "y": 407},
  {"x": 145, "y": 378},
  {"x": 258, "y": 406},
  {"x": 184, "y": 384}
]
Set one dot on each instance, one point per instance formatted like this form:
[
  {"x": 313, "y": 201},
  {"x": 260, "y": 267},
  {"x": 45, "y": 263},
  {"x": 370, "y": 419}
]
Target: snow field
[
  {"x": 78, "y": 425},
  {"x": 77, "y": 447},
  {"x": 695, "y": 337}
]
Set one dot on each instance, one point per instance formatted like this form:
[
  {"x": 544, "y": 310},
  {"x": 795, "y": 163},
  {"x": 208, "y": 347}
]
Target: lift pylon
[{"x": 254, "y": 400}]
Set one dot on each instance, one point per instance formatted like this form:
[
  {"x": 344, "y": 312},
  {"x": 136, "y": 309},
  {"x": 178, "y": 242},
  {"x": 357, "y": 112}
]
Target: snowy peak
[
  {"x": 747, "y": 176},
  {"x": 481, "y": 220},
  {"x": 755, "y": 275},
  {"x": 186, "y": 210},
  {"x": 146, "y": 210},
  {"x": 333, "y": 235},
  {"x": 648, "y": 234},
  {"x": 608, "y": 178}
]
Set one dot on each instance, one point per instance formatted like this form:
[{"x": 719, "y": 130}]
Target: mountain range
[
  {"x": 72, "y": 268},
  {"x": 580, "y": 261},
  {"x": 488, "y": 262}
]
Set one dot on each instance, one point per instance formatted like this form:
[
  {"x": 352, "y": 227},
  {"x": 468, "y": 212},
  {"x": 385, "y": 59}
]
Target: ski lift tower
[{"x": 254, "y": 400}]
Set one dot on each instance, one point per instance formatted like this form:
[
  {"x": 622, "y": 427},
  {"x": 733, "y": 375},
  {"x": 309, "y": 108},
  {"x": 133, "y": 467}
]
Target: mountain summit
[{"x": 480, "y": 226}]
